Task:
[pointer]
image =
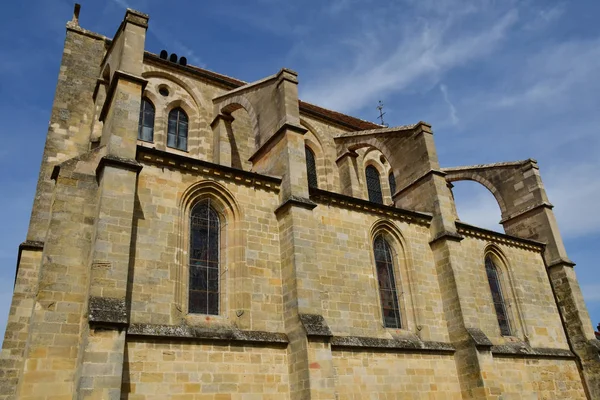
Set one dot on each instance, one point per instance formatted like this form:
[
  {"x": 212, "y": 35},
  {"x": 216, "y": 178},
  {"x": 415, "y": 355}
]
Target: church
[{"x": 195, "y": 236}]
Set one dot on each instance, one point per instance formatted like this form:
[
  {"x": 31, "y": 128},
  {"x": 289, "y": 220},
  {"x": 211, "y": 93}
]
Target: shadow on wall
[{"x": 476, "y": 205}]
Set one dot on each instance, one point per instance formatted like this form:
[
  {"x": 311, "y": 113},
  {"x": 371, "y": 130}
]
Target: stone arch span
[{"x": 475, "y": 177}]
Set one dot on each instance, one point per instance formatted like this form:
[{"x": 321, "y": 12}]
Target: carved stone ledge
[
  {"x": 194, "y": 165},
  {"x": 315, "y": 325},
  {"x": 404, "y": 345},
  {"x": 497, "y": 237},
  {"x": 107, "y": 310},
  {"x": 119, "y": 162},
  {"x": 295, "y": 201},
  {"x": 340, "y": 200},
  {"x": 521, "y": 349},
  {"x": 206, "y": 333},
  {"x": 479, "y": 338}
]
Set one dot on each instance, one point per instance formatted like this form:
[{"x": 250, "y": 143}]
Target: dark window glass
[
  {"x": 392, "y": 181},
  {"x": 311, "y": 168},
  {"x": 146, "y": 122},
  {"x": 387, "y": 283},
  {"x": 204, "y": 260},
  {"x": 374, "y": 185},
  {"x": 498, "y": 298},
  {"x": 177, "y": 132}
]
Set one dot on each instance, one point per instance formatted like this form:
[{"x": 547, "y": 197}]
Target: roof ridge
[{"x": 342, "y": 119}]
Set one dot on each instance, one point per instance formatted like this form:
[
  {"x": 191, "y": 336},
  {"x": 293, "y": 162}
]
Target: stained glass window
[
  {"x": 387, "y": 284},
  {"x": 374, "y": 185},
  {"x": 498, "y": 298},
  {"x": 311, "y": 168},
  {"x": 177, "y": 132},
  {"x": 146, "y": 122},
  {"x": 204, "y": 260},
  {"x": 392, "y": 181}
]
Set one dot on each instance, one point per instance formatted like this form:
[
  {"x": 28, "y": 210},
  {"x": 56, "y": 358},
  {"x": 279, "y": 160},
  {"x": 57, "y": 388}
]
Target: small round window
[{"x": 163, "y": 90}]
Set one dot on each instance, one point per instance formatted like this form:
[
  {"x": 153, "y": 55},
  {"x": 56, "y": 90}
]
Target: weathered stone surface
[
  {"x": 101, "y": 308},
  {"x": 107, "y": 310},
  {"x": 209, "y": 333},
  {"x": 315, "y": 325}
]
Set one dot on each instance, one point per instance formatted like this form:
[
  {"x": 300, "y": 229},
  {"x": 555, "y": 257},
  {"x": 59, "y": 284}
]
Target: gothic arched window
[
  {"x": 497, "y": 297},
  {"x": 374, "y": 185},
  {"x": 146, "y": 122},
  {"x": 177, "y": 132},
  {"x": 392, "y": 181},
  {"x": 204, "y": 260},
  {"x": 311, "y": 168},
  {"x": 387, "y": 284}
]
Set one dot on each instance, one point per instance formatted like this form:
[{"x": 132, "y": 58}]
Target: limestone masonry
[{"x": 194, "y": 236}]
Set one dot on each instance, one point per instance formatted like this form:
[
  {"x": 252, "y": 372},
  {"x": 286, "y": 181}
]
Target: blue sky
[{"x": 498, "y": 80}]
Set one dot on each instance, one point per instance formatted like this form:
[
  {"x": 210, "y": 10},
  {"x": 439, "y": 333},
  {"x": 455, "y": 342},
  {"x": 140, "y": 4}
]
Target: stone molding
[
  {"x": 228, "y": 334},
  {"x": 118, "y": 162},
  {"x": 184, "y": 163},
  {"x": 497, "y": 237},
  {"x": 315, "y": 325},
  {"x": 295, "y": 201},
  {"x": 335, "y": 199},
  {"x": 404, "y": 345},
  {"x": 521, "y": 349}
]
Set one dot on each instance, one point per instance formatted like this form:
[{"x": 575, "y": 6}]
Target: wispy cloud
[
  {"x": 422, "y": 57},
  {"x": 545, "y": 17},
  {"x": 452, "y": 109}
]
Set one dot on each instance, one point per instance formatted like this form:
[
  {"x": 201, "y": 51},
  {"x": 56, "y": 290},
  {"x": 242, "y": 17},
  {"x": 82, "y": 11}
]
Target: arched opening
[
  {"x": 146, "y": 121},
  {"x": 388, "y": 295},
  {"x": 311, "y": 168},
  {"x": 373, "y": 184},
  {"x": 177, "y": 132},
  {"x": 476, "y": 205},
  {"x": 494, "y": 281},
  {"x": 204, "y": 262}
]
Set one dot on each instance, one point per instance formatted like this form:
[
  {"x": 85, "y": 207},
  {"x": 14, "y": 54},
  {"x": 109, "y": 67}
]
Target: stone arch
[
  {"x": 313, "y": 141},
  {"x": 508, "y": 286},
  {"x": 200, "y": 103},
  {"x": 232, "y": 249},
  {"x": 474, "y": 176},
  {"x": 403, "y": 266},
  {"x": 234, "y": 103}
]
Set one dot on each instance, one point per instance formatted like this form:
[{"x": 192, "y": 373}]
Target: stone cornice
[
  {"x": 295, "y": 201},
  {"x": 183, "y": 163},
  {"x": 520, "y": 349},
  {"x": 404, "y": 345},
  {"x": 336, "y": 199},
  {"x": 214, "y": 333},
  {"x": 497, "y": 237},
  {"x": 118, "y": 162}
]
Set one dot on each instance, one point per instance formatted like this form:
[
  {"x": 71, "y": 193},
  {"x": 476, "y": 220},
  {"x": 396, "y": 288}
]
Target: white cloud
[
  {"x": 451, "y": 107},
  {"x": 422, "y": 56},
  {"x": 545, "y": 17}
]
